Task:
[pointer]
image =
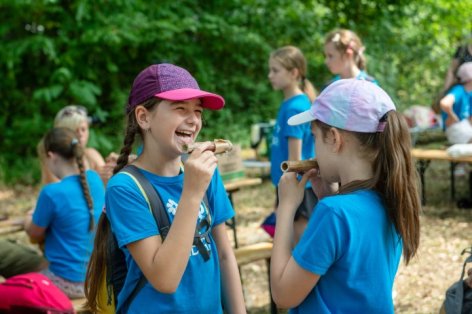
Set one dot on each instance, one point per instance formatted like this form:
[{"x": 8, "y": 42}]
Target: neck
[
  {"x": 159, "y": 164},
  {"x": 67, "y": 169},
  {"x": 468, "y": 86},
  {"x": 291, "y": 91},
  {"x": 351, "y": 71}
]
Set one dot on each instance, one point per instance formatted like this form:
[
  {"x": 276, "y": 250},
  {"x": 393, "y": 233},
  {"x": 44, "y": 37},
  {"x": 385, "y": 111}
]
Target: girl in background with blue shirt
[
  {"x": 348, "y": 256},
  {"x": 287, "y": 73},
  {"x": 165, "y": 108},
  {"x": 344, "y": 56},
  {"x": 66, "y": 211}
]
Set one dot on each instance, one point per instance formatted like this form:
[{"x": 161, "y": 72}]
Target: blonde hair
[
  {"x": 290, "y": 58},
  {"x": 343, "y": 40},
  {"x": 71, "y": 117}
]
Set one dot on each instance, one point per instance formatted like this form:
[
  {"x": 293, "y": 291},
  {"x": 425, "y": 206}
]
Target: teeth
[{"x": 186, "y": 132}]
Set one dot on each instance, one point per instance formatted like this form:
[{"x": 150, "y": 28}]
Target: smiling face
[
  {"x": 334, "y": 60},
  {"x": 174, "y": 124}
]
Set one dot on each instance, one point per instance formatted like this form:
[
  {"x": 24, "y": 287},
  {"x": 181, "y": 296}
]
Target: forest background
[{"x": 54, "y": 53}]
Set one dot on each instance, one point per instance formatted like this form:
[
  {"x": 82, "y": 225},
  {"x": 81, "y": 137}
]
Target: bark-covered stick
[
  {"x": 218, "y": 146},
  {"x": 298, "y": 165}
]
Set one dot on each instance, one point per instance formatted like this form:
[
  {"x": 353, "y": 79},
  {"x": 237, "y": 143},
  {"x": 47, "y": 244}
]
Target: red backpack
[{"x": 33, "y": 293}]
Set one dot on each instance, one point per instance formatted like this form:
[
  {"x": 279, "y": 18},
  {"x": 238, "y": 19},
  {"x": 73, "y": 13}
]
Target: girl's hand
[
  {"x": 321, "y": 187},
  {"x": 291, "y": 190},
  {"x": 199, "y": 169}
]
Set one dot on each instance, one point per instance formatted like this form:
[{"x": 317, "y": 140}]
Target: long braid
[{"x": 79, "y": 158}]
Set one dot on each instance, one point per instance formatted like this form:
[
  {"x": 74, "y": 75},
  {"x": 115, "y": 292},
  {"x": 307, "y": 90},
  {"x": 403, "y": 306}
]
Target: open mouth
[{"x": 185, "y": 136}]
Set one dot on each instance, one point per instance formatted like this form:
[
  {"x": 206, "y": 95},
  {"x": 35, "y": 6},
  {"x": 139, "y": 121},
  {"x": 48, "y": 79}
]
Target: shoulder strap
[
  {"x": 153, "y": 198},
  {"x": 158, "y": 212}
]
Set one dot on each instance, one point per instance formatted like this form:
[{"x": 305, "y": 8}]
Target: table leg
[
  {"x": 422, "y": 166},
  {"x": 453, "y": 181}
]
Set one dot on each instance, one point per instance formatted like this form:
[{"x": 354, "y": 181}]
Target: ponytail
[
  {"x": 397, "y": 180},
  {"x": 309, "y": 89}
]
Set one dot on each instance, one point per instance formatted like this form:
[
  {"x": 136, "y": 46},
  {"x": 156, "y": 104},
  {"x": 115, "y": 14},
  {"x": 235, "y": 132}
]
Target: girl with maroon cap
[{"x": 165, "y": 109}]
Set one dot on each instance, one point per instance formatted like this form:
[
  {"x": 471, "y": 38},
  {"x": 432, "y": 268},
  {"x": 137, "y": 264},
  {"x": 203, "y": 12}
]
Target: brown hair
[
  {"x": 344, "y": 39},
  {"x": 97, "y": 265},
  {"x": 395, "y": 177},
  {"x": 64, "y": 142},
  {"x": 290, "y": 58}
]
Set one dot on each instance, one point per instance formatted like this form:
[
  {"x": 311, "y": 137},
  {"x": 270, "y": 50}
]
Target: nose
[{"x": 193, "y": 118}]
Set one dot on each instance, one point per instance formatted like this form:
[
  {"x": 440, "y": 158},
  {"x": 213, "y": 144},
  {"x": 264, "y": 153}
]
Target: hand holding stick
[
  {"x": 218, "y": 146},
  {"x": 298, "y": 166}
]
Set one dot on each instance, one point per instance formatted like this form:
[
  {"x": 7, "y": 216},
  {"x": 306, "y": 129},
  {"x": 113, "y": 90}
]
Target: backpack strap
[
  {"x": 159, "y": 213},
  {"x": 152, "y": 198}
]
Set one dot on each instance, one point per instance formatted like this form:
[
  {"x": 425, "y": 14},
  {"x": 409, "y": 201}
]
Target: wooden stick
[
  {"x": 298, "y": 165},
  {"x": 218, "y": 146}
]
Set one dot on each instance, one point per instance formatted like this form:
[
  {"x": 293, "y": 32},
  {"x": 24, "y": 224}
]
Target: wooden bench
[
  {"x": 425, "y": 156},
  {"x": 253, "y": 253}
]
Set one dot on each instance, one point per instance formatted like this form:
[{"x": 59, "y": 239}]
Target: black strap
[{"x": 163, "y": 223}]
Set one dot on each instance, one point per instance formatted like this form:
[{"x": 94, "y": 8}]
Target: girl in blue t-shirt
[
  {"x": 63, "y": 219},
  {"x": 287, "y": 73},
  {"x": 344, "y": 55},
  {"x": 165, "y": 108},
  {"x": 348, "y": 256}
]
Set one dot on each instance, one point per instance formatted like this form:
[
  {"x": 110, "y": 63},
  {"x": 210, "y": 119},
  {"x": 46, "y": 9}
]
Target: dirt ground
[{"x": 419, "y": 287}]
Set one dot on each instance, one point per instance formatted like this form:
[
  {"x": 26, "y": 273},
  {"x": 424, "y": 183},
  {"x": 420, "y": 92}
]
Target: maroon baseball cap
[{"x": 169, "y": 82}]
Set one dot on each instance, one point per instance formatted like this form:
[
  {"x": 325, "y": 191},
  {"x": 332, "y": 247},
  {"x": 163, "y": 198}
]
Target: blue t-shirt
[
  {"x": 131, "y": 220},
  {"x": 351, "y": 243},
  {"x": 462, "y": 106},
  {"x": 282, "y": 132},
  {"x": 63, "y": 210}
]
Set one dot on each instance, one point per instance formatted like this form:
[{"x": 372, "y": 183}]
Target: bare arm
[
  {"x": 450, "y": 74},
  {"x": 35, "y": 232},
  {"x": 232, "y": 291},
  {"x": 290, "y": 284},
  {"x": 94, "y": 158},
  {"x": 151, "y": 254},
  {"x": 294, "y": 148},
  {"x": 446, "y": 104}
]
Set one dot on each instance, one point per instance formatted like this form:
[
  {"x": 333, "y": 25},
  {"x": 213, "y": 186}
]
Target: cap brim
[
  {"x": 301, "y": 118},
  {"x": 209, "y": 100}
]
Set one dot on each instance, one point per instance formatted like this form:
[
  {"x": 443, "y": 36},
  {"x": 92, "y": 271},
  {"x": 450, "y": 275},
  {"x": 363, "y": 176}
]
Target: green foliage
[{"x": 56, "y": 53}]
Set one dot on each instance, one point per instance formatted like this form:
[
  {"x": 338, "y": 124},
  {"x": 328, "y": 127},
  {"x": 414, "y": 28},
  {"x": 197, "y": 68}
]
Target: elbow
[{"x": 282, "y": 298}]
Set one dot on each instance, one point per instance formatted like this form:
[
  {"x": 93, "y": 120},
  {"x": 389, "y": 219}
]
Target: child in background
[
  {"x": 287, "y": 73},
  {"x": 344, "y": 55},
  {"x": 348, "y": 256},
  {"x": 75, "y": 118},
  {"x": 165, "y": 108},
  {"x": 456, "y": 107},
  {"x": 66, "y": 212}
]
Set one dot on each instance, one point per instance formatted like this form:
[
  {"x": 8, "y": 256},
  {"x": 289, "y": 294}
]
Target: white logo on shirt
[{"x": 171, "y": 206}]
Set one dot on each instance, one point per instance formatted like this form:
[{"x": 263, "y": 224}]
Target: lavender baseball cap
[
  {"x": 169, "y": 82},
  {"x": 464, "y": 72},
  {"x": 352, "y": 104}
]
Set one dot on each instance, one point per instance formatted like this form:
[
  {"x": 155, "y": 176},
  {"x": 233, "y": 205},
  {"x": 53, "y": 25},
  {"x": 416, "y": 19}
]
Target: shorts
[
  {"x": 74, "y": 290},
  {"x": 306, "y": 207},
  {"x": 460, "y": 132},
  {"x": 16, "y": 259}
]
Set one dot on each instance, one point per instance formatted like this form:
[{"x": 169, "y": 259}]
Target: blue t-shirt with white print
[
  {"x": 131, "y": 220},
  {"x": 283, "y": 131},
  {"x": 62, "y": 209},
  {"x": 353, "y": 246}
]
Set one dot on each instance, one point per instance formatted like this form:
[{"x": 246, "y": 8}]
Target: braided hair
[{"x": 64, "y": 142}]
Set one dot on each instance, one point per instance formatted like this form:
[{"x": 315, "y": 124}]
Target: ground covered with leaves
[{"x": 419, "y": 287}]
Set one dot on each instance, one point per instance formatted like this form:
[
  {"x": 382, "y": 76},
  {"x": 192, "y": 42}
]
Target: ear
[
  {"x": 295, "y": 73},
  {"x": 143, "y": 117},
  {"x": 336, "y": 139},
  {"x": 349, "y": 51}
]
